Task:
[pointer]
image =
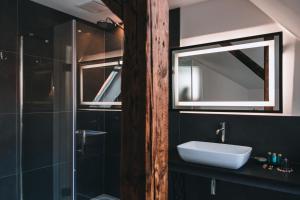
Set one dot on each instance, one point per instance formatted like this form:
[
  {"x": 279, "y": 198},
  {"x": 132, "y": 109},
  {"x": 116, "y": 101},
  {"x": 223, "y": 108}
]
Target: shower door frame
[{"x": 74, "y": 110}]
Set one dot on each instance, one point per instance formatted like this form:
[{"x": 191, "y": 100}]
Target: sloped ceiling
[
  {"x": 181, "y": 3},
  {"x": 72, "y": 7},
  {"x": 284, "y": 12}
]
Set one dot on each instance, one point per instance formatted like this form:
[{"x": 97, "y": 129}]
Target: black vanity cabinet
[
  {"x": 233, "y": 191},
  {"x": 188, "y": 187},
  {"x": 188, "y": 181}
]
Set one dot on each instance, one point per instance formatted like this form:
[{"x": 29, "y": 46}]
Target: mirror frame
[{"x": 176, "y": 104}]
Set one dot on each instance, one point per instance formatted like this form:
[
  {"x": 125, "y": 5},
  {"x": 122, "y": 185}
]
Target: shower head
[{"x": 108, "y": 24}]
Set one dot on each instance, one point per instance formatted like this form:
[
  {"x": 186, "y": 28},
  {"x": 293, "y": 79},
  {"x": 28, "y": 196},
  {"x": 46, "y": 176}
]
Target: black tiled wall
[
  {"x": 100, "y": 170},
  {"x": 8, "y": 99},
  {"x": 263, "y": 133},
  {"x": 47, "y": 138}
]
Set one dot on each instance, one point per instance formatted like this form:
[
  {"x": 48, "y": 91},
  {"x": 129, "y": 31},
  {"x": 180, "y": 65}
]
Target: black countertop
[{"x": 251, "y": 174}]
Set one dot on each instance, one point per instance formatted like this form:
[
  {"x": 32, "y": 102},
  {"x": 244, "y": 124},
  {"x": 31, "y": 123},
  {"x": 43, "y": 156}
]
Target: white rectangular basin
[{"x": 214, "y": 154}]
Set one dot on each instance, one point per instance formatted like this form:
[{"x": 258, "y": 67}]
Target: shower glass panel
[
  {"x": 70, "y": 151},
  {"x": 47, "y": 145},
  {"x": 98, "y": 135}
]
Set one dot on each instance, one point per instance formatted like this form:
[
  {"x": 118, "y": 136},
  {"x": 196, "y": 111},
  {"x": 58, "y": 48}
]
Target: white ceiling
[
  {"x": 72, "y": 7},
  {"x": 181, "y": 3},
  {"x": 284, "y": 12}
]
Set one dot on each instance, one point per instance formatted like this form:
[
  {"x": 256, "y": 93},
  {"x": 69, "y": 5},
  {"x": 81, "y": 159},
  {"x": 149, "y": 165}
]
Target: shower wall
[
  {"x": 98, "y": 169},
  {"x": 46, "y": 145},
  {"x": 8, "y": 99},
  {"x": 100, "y": 173},
  {"x": 43, "y": 155}
]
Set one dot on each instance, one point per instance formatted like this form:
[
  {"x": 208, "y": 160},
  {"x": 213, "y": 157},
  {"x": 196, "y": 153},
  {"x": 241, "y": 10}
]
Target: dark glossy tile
[
  {"x": 91, "y": 120},
  {"x": 8, "y": 82},
  {"x": 112, "y": 176},
  {"x": 8, "y": 188},
  {"x": 62, "y": 137},
  {"x": 48, "y": 183},
  {"x": 47, "y": 85},
  {"x": 38, "y": 82},
  {"x": 39, "y": 45},
  {"x": 82, "y": 197},
  {"x": 38, "y": 184},
  {"x": 174, "y": 130},
  {"x": 90, "y": 145},
  {"x": 63, "y": 177},
  {"x": 39, "y": 22},
  {"x": 90, "y": 175},
  {"x": 174, "y": 27},
  {"x": 113, "y": 136},
  {"x": 9, "y": 25},
  {"x": 37, "y": 140},
  {"x": 8, "y": 132},
  {"x": 47, "y": 139}
]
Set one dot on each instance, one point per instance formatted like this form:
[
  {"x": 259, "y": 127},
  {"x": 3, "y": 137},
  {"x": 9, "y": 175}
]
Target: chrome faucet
[{"x": 222, "y": 130}]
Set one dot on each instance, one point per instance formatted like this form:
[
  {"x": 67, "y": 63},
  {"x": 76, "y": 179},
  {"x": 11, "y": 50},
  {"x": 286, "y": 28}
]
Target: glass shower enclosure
[
  {"x": 70, "y": 128},
  {"x": 47, "y": 114}
]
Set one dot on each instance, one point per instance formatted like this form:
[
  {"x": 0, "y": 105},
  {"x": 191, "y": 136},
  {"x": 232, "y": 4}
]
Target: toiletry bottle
[
  {"x": 274, "y": 159},
  {"x": 285, "y": 164},
  {"x": 269, "y": 158},
  {"x": 279, "y": 159}
]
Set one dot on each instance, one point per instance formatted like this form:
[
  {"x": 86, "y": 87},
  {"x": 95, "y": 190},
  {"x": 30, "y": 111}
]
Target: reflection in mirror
[
  {"x": 99, "y": 60},
  {"x": 100, "y": 84},
  {"x": 240, "y": 75}
]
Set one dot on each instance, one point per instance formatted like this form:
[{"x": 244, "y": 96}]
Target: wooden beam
[
  {"x": 247, "y": 61},
  {"x": 144, "y": 155},
  {"x": 115, "y": 6}
]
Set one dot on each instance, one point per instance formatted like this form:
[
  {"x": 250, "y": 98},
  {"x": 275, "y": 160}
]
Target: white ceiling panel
[
  {"x": 89, "y": 10},
  {"x": 94, "y": 10},
  {"x": 182, "y": 3}
]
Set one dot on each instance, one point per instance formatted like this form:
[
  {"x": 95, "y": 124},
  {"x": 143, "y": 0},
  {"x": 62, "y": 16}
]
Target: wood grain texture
[{"x": 144, "y": 156}]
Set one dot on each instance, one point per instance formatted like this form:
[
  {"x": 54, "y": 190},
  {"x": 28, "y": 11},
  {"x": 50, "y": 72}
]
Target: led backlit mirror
[{"x": 236, "y": 75}]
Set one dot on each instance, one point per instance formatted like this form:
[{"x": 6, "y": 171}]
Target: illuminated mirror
[{"x": 236, "y": 75}]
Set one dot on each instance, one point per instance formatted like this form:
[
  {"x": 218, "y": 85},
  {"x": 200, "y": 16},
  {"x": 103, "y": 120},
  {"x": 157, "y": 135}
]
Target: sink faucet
[{"x": 222, "y": 130}]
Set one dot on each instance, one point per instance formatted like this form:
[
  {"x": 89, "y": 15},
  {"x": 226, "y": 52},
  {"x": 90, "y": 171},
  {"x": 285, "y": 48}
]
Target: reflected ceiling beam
[{"x": 246, "y": 60}]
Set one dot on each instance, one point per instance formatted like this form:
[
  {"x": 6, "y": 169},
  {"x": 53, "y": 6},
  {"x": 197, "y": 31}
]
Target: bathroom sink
[{"x": 214, "y": 154}]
